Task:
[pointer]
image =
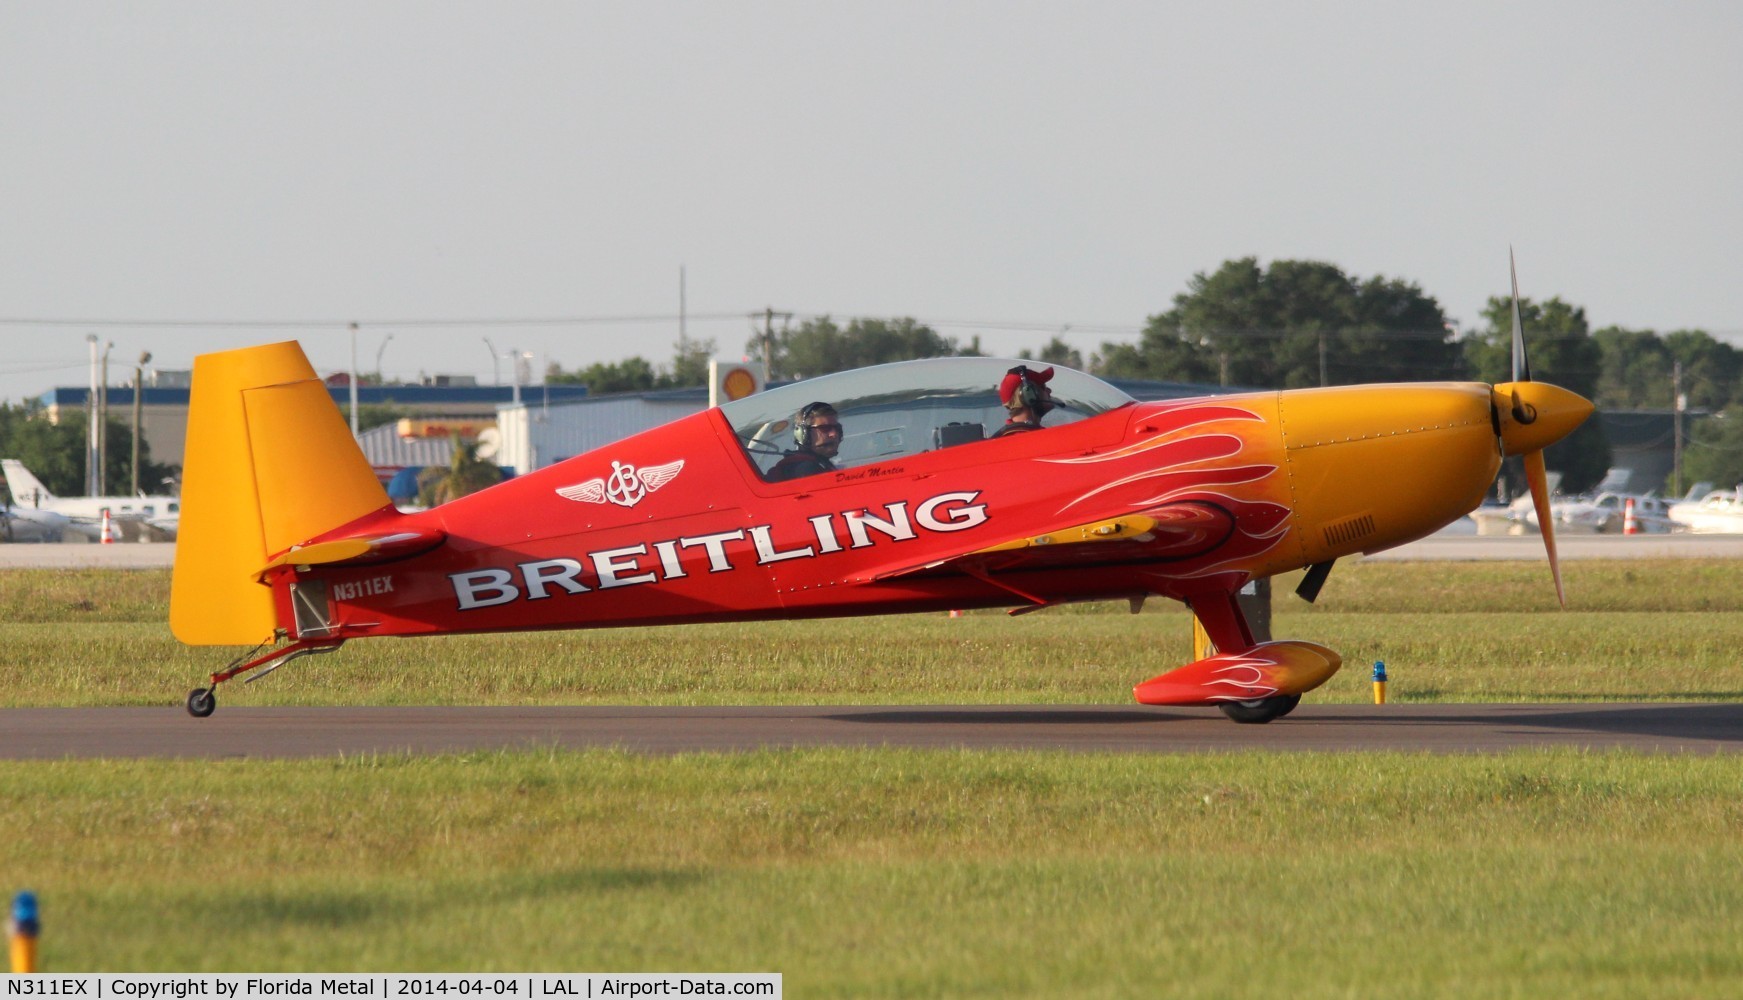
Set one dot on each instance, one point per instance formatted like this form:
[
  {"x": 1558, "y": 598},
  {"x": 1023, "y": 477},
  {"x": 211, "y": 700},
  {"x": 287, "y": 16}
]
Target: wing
[
  {"x": 591, "y": 491},
  {"x": 1172, "y": 531},
  {"x": 656, "y": 476}
]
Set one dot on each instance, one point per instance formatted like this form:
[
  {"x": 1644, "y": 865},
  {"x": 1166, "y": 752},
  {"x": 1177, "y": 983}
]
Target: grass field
[
  {"x": 1457, "y": 632},
  {"x": 915, "y": 873},
  {"x": 909, "y": 874}
]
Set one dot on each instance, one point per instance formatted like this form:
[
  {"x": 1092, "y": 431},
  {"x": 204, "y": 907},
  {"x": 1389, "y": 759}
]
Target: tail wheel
[{"x": 1260, "y": 709}]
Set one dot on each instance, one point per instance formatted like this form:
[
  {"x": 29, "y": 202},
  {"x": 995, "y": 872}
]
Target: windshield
[{"x": 891, "y": 411}]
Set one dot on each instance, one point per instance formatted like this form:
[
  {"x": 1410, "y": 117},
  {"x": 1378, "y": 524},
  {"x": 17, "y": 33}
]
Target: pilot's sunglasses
[{"x": 827, "y": 428}]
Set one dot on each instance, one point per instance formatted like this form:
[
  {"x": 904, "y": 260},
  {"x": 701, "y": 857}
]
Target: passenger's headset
[
  {"x": 802, "y": 422},
  {"x": 1027, "y": 394}
]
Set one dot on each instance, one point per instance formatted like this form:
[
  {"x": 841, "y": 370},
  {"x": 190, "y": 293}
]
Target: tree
[
  {"x": 1715, "y": 451},
  {"x": 55, "y": 453},
  {"x": 818, "y": 346},
  {"x": 1712, "y": 371},
  {"x": 629, "y": 375},
  {"x": 464, "y": 474},
  {"x": 1635, "y": 370},
  {"x": 636, "y": 374},
  {"x": 1291, "y": 325},
  {"x": 1057, "y": 352},
  {"x": 690, "y": 364},
  {"x": 1561, "y": 350},
  {"x": 1164, "y": 353},
  {"x": 1400, "y": 335}
]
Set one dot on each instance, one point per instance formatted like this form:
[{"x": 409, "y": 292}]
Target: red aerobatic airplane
[{"x": 288, "y": 539}]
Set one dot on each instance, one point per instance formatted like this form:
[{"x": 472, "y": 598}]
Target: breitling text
[{"x": 662, "y": 560}]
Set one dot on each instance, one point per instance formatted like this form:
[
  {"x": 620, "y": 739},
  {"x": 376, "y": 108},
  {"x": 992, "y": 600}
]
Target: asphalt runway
[{"x": 240, "y": 731}]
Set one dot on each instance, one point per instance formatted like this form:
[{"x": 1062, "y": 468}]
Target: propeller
[
  {"x": 1536, "y": 416},
  {"x": 1521, "y": 366},
  {"x": 1536, "y": 476}
]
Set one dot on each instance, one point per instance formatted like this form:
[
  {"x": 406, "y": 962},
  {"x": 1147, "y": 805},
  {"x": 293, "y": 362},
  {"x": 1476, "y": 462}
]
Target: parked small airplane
[
  {"x": 22, "y": 524},
  {"x": 291, "y": 540},
  {"x": 85, "y": 514}
]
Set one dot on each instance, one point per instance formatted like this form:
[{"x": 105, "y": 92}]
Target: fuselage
[{"x": 677, "y": 524}]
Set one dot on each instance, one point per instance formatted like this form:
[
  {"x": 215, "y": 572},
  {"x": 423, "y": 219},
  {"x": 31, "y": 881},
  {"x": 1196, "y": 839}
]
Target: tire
[
  {"x": 202, "y": 702},
  {"x": 1260, "y": 710}
]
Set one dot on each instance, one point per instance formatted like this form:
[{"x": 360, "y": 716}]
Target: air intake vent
[{"x": 1345, "y": 532}]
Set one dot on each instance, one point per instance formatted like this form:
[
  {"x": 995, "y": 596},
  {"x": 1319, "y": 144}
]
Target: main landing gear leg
[
  {"x": 1220, "y": 614},
  {"x": 204, "y": 701}
]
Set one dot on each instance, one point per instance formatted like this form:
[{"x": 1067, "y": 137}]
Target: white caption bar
[{"x": 394, "y": 986}]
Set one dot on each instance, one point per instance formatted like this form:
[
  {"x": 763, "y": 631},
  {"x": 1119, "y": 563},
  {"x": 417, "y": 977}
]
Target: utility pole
[
  {"x": 91, "y": 424},
  {"x": 769, "y": 315},
  {"x": 768, "y": 343},
  {"x": 103, "y": 427},
  {"x": 683, "y": 334},
  {"x": 1322, "y": 381},
  {"x": 1677, "y": 402},
  {"x": 520, "y": 358},
  {"x": 382, "y": 379},
  {"x": 354, "y": 380},
  {"x": 138, "y": 391}
]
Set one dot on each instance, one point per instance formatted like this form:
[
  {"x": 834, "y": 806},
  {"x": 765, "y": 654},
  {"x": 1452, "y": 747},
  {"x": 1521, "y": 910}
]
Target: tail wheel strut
[{"x": 203, "y": 701}]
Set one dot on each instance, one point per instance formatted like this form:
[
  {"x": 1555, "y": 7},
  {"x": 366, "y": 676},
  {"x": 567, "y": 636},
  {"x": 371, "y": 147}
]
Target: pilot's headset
[{"x": 802, "y": 422}]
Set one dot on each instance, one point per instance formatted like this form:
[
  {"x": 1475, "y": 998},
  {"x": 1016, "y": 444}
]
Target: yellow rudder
[{"x": 270, "y": 463}]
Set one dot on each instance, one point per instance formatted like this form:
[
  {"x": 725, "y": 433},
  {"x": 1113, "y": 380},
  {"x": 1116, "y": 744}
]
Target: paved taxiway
[{"x": 241, "y": 731}]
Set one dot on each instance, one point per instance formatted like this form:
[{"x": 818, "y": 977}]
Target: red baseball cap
[{"x": 1008, "y": 385}]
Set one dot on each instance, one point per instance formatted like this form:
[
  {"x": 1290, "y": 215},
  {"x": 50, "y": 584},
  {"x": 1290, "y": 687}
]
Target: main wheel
[
  {"x": 1260, "y": 709},
  {"x": 201, "y": 702}
]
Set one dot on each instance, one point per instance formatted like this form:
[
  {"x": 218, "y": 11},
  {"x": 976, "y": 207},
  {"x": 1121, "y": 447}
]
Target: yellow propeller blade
[{"x": 1535, "y": 475}]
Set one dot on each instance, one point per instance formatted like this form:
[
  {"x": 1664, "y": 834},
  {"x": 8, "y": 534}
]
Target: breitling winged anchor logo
[{"x": 625, "y": 486}]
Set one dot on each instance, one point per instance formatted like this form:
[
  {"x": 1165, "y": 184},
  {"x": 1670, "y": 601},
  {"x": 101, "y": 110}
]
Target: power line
[
  {"x": 308, "y": 324},
  {"x": 1036, "y": 327},
  {"x": 313, "y": 324},
  {"x": 40, "y": 366}
]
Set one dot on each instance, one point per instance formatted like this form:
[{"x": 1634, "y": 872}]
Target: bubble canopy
[{"x": 891, "y": 411}]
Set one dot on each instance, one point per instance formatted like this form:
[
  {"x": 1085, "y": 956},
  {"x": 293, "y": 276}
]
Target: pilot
[
  {"x": 1027, "y": 399},
  {"x": 817, "y": 432}
]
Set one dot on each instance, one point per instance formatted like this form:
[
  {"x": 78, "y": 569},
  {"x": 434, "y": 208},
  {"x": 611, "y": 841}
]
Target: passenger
[
  {"x": 1027, "y": 399},
  {"x": 817, "y": 432}
]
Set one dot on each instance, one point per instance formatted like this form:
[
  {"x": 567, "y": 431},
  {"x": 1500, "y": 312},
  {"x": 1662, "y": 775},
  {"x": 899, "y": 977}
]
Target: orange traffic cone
[
  {"x": 107, "y": 536},
  {"x": 1629, "y": 525}
]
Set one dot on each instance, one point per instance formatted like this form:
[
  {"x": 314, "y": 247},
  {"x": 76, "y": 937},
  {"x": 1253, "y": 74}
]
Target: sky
[{"x": 469, "y": 180}]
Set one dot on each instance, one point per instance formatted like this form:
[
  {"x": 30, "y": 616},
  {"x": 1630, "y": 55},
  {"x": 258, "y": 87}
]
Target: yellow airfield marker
[{"x": 22, "y": 929}]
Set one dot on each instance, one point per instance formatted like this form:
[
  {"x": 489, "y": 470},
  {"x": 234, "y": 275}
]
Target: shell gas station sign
[{"x": 730, "y": 380}]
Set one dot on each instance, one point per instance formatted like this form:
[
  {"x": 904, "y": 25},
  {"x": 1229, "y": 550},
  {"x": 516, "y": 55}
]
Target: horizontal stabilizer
[
  {"x": 360, "y": 550},
  {"x": 1264, "y": 671}
]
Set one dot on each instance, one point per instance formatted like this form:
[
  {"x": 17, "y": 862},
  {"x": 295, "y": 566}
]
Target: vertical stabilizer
[
  {"x": 27, "y": 490},
  {"x": 270, "y": 463}
]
